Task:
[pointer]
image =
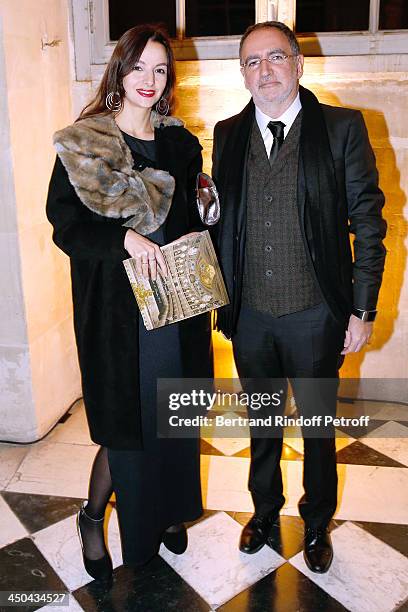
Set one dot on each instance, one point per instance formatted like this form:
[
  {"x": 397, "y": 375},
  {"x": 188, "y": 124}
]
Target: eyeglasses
[{"x": 277, "y": 59}]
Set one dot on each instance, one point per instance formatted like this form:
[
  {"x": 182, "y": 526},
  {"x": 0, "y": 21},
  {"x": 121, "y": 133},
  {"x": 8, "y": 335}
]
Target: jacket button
[
  {"x": 269, "y": 198},
  {"x": 268, "y": 248},
  {"x": 267, "y": 224},
  {"x": 269, "y": 273}
]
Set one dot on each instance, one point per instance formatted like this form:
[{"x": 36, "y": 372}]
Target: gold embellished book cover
[{"x": 194, "y": 283}]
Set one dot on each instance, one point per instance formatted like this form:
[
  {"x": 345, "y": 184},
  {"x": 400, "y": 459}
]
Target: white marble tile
[
  {"x": 10, "y": 458},
  {"x": 362, "y": 489},
  {"x": 51, "y": 468},
  {"x": 366, "y": 575},
  {"x": 391, "y": 412},
  {"x": 11, "y": 528},
  {"x": 292, "y": 475},
  {"x": 213, "y": 565},
  {"x": 228, "y": 446},
  {"x": 390, "y": 439},
  {"x": 60, "y": 545},
  {"x": 74, "y": 430},
  {"x": 369, "y": 493},
  {"x": 224, "y": 483}
]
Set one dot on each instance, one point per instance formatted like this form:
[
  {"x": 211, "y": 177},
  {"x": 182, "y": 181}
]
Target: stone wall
[{"x": 38, "y": 364}]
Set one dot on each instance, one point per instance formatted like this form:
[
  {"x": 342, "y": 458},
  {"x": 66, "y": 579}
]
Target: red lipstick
[{"x": 146, "y": 93}]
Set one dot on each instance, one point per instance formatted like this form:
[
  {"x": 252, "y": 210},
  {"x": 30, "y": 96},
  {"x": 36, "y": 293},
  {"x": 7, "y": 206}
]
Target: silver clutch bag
[{"x": 208, "y": 202}]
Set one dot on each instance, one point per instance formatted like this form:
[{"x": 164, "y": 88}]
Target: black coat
[
  {"x": 105, "y": 310},
  {"x": 346, "y": 199}
]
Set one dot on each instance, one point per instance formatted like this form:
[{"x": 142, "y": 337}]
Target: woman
[{"x": 123, "y": 184}]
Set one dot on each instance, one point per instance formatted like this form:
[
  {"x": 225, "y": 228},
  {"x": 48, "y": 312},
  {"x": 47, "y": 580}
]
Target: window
[
  {"x": 200, "y": 28},
  {"x": 185, "y": 19},
  {"x": 352, "y": 27},
  {"x": 211, "y": 29},
  {"x": 218, "y": 18},
  {"x": 332, "y": 15},
  {"x": 123, "y": 14},
  {"x": 393, "y": 14}
]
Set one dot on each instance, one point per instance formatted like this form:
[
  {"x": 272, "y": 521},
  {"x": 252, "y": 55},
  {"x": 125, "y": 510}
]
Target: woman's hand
[{"x": 146, "y": 253}]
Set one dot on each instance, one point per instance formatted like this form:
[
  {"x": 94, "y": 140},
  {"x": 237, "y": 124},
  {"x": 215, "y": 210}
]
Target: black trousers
[{"x": 300, "y": 347}]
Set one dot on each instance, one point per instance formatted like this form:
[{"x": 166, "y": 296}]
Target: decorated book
[{"x": 194, "y": 283}]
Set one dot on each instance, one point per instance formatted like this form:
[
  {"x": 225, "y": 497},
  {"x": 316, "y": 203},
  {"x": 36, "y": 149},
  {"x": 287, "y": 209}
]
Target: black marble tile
[
  {"x": 392, "y": 534},
  {"x": 361, "y": 454},
  {"x": 65, "y": 417},
  {"x": 245, "y": 452},
  {"x": 403, "y": 607},
  {"x": 39, "y": 511},
  {"x": 285, "y": 590},
  {"x": 23, "y": 568},
  {"x": 286, "y": 536},
  {"x": 288, "y": 453},
  {"x": 208, "y": 449},
  {"x": 359, "y": 432},
  {"x": 155, "y": 587}
]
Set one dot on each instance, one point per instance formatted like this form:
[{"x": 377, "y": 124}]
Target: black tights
[
  {"x": 100, "y": 491},
  {"x": 100, "y": 485}
]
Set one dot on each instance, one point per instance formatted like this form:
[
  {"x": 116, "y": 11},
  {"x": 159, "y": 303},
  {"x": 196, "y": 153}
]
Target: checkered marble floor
[{"x": 42, "y": 485}]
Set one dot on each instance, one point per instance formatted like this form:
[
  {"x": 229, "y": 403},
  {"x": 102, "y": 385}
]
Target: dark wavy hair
[
  {"x": 277, "y": 25},
  {"x": 125, "y": 55}
]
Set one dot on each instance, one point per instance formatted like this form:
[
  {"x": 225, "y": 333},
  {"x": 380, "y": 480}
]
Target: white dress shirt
[{"x": 288, "y": 117}]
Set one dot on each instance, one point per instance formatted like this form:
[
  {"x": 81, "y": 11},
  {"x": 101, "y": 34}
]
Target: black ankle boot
[
  {"x": 99, "y": 569},
  {"x": 176, "y": 541}
]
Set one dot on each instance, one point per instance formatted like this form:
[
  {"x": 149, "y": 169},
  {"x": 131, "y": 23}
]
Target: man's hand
[{"x": 357, "y": 335}]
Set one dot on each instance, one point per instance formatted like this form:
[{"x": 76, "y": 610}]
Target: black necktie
[{"x": 276, "y": 128}]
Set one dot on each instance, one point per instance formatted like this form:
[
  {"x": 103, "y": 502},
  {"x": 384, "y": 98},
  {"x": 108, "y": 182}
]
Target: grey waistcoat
[{"x": 277, "y": 278}]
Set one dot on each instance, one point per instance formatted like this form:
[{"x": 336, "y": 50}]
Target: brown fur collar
[{"x": 100, "y": 168}]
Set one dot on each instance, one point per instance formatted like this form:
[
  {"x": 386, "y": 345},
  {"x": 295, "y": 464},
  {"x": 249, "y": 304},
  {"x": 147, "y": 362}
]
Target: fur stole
[{"x": 100, "y": 168}]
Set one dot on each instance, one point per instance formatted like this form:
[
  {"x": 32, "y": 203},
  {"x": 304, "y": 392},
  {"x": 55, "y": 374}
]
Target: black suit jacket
[{"x": 347, "y": 200}]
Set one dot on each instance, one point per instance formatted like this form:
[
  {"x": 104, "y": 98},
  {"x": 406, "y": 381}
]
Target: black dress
[{"x": 158, "y": 486}]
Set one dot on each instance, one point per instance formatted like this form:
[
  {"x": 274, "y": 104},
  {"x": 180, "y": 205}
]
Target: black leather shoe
[
  {"x": 317, "y": 550},
  {"x": 99, "y": 569},
  {"x": 256, "y": 532},
  {"x": 176, "y": 541}
]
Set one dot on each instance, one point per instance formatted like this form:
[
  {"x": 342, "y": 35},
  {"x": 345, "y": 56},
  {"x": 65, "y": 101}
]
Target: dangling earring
[
  {"x": 114, "y": 101},
  {"x": 162, "y": 106}
]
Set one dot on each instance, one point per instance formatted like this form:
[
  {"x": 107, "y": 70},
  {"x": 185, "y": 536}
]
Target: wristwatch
[{"x": 364, "y": 315}]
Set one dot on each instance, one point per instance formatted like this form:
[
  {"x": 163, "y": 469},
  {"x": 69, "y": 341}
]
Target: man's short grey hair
[{"x": 278, "y": 25}]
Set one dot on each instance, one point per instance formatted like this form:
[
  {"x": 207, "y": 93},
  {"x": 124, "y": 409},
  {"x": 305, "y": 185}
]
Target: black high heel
[
  {"x": 99, "y": 569},
  {"x": 176, "y": 541}
]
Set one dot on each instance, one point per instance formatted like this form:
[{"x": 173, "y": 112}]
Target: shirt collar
[{"x": 288, "y": 117}]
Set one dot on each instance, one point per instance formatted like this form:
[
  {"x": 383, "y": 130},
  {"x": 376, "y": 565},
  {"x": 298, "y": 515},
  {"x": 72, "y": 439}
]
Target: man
[{"x": 294, "y": 178}]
